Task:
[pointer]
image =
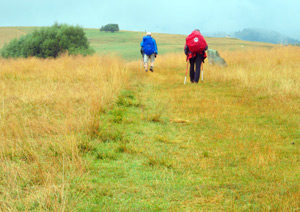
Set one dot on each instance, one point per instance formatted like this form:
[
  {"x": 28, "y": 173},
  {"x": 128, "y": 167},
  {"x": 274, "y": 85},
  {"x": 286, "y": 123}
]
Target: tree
[
  {"x": 49, "y": 42},
  {"x": 110, "y": 28}
]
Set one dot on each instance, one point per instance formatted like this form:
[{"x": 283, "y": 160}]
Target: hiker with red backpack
[
  {"x": 148, "y": 50},
  {"x": 194, "y": 49}
]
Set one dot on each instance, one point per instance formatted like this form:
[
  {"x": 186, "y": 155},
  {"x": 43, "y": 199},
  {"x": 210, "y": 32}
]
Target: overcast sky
[{"x": 165, "y": 16}]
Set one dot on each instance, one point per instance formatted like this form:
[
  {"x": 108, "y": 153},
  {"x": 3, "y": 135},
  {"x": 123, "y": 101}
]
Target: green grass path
[{"x": 213, "y": 146}]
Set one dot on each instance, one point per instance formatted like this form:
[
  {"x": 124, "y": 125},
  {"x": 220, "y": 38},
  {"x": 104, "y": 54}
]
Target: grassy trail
[{"x": 212, "y": 146}]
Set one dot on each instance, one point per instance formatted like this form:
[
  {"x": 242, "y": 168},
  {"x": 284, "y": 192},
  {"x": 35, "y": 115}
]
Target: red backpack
[{"x": 196, "y": 42}]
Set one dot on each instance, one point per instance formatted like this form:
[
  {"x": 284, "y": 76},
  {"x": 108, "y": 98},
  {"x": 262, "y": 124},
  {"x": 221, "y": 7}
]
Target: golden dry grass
[
  {"x": 46, "y": 108},
  {"x": 228, "y": 144},
  {"x": 275, "y": 71}
]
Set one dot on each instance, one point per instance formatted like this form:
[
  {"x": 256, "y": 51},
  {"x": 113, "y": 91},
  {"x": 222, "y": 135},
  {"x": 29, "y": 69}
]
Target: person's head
[
  {"x": 148, "y": 33},
  {"x": 197, "y": 30}
]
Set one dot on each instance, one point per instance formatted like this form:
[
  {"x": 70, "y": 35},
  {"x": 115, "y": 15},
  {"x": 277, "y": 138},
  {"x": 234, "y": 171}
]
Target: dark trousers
[{"x": 194, "y": 76}]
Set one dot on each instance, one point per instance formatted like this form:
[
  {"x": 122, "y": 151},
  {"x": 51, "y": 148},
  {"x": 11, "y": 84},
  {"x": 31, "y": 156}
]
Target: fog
[{"x": 176, "y": 16}]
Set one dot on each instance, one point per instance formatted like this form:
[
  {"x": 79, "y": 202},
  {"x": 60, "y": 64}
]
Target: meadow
[{"x": 97, "y": 133}]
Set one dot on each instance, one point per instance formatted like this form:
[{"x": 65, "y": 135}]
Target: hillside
[
  {"x": 8, "y": 33},
  {"x": 127, "y": 43},
  {"x": 98, "y": 133}
]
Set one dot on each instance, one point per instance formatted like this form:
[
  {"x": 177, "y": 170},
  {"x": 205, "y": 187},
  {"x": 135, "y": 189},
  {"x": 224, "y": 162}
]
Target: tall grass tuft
[
  {"x": 274, "y": 71},
  {"x": 49, "y": 110}
]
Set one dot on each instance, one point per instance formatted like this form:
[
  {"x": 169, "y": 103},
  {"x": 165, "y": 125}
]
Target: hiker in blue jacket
[{"x": 149, "y": 49}]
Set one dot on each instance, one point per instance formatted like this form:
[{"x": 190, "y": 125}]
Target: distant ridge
[{"x": 263, "y": 35}]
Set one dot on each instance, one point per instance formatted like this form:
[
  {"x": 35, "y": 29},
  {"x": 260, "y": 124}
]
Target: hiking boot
[
  {"x": 151, "y": 68},
  {"x": 146, "y": 70}
]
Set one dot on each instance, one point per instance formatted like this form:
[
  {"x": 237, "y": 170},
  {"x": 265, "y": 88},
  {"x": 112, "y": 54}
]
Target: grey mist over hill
[{"x": 264, "y": 35}]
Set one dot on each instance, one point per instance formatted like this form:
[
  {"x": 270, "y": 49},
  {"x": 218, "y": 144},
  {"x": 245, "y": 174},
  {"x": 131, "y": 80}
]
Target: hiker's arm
[
  {"x": 186, "y": 49},
  {"x": 156, "y": 52},
  {"x": 142, "y": 44},
  {"x": 206, "y": 46}
]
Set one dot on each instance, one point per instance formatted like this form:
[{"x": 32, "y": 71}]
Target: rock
[{"x": 214, "y": 58}]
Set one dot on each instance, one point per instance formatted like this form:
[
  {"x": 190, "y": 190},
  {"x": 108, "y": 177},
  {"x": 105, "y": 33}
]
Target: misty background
[{"x": 212, "y": 17}]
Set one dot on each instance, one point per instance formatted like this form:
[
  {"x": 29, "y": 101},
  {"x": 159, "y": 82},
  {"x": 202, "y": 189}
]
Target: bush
[
  {"x": 49, "y": 42},
  {"x": 110, "y": 28}
]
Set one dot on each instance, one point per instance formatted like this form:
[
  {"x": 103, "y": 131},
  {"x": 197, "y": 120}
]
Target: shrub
[
  {"x": 49, "y": 42},
  {"x": 110, "y": 28}
]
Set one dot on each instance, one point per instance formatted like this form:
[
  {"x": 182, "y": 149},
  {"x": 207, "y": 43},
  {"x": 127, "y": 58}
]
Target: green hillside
[{"x": 127, "y": 43}]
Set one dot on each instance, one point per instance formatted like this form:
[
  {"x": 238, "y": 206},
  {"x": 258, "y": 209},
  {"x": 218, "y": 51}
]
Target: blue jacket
[{"x": 155, "y": 46}]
